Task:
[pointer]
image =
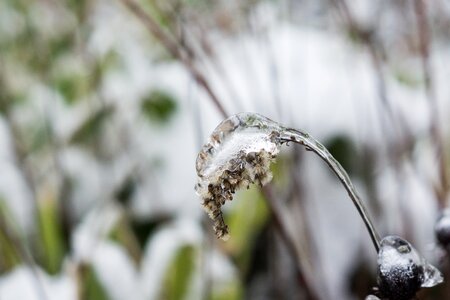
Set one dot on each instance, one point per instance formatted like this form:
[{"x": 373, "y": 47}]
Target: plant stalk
[{"x": 302, "y": 138}]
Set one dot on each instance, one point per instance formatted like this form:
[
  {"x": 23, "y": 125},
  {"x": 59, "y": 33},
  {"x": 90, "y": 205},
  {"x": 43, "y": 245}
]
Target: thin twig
[
  {"x": 22, "y": 249},
  {"x": 424, "y": 47},
  {"x": 282, "y": 229},
  {"x": 302, "y": 138},
  {"x": 174, "y": 49},
  {"x": 404, "y": 136},
  {"x": 13, "y": 233}
]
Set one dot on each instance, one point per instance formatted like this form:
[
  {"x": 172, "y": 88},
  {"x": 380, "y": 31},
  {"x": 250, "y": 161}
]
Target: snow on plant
[
  {"x": 442, "y": 229},
  {"x": 402, "y": 271},
  {"x": 239, "y": 153}
]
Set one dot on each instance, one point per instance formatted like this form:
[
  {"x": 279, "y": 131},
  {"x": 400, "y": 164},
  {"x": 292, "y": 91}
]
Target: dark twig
[{"x": 175, "y": 50}]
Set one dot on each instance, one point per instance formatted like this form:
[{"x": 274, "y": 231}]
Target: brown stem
[
  {"x": 174, "y": 49},
  {"x": 282, "y": 229}
]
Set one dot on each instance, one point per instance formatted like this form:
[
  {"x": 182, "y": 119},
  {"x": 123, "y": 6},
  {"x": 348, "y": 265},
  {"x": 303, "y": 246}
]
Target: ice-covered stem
[
  {"x": 303, "y": 138},
  {"x": 239, "y": 153}
]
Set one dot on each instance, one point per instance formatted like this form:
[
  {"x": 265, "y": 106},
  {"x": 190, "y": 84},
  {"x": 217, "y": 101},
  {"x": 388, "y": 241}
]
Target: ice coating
[
  {"x": 442, "y": 229},
  {"x": 402, "y": 271},
  {"x": 242, "y": 132},
  {"x": 303, "y": 138},
  {"x": 238, "y": 153}
]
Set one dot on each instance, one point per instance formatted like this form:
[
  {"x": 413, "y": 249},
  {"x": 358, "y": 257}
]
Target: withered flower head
[{"x": 238, "y": 153}]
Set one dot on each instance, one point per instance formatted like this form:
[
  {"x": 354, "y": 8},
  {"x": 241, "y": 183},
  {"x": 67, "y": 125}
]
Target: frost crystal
[
  {"x": 402, "y": 271},
  {"x": 238, "y": 153}
]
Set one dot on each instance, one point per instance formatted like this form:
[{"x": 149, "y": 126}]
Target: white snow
[{"x": 22, "y": 283}]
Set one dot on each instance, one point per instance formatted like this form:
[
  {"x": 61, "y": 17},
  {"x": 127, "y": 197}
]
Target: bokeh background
[{"x": 105, "y": 103}]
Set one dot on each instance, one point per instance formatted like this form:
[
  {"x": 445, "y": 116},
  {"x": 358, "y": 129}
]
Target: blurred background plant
[{"x": 104, "y": 105}]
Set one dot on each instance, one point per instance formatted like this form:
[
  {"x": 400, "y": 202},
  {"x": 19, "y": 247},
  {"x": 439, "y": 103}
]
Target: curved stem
[{"x": 302, "y": 138}]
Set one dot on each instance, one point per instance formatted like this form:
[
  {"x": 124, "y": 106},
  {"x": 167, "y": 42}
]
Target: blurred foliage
[
  {"x": 9, "y": 254},
  {"x": 232, "y": 291},
  {"x": 409, "y": 79},
  {"x": 72, "y": 87},
  {"x": 343, "y": 149},
  {"x": 159, "y": 106},
  {"x": 36, "y": 137},
  {"x": 123, "y": 234},
  {"x": 91, "y": 288},
  {"x": 361, "y": 280},
  {"x": 143, "y": 229},
  {"x": 126, "y": 190},
  {"x": 50, "y": 236},
  {"x": 248, "y": 216},
  {"x": 179, "y": 274},
  {"x": 90, "y": 130},
  {"x": 61, "y": 61}
]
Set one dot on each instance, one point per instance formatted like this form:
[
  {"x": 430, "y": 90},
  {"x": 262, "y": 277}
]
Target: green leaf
[
  {"x": 61, "y": 44},
  {"x": 232, "y": 291},
  {"x": 9, "y": 256},
  {"x": 343, "y": 149},
  {"x": 159, "y": 106},
  {"x": 50, "y": 235},
  {"x": 72, "y": 87},
  {"x": 245, "y": 220},
  {"x": 91, "y": 128},
  {"x": 91, "y": 288},
  {"x": 124, "y": 235},
  {"x": 409, "y": 79},
  {"x": 179, "y": 274}
]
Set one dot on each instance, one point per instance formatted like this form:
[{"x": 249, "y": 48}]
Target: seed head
[{"x": 238, "y": 153}]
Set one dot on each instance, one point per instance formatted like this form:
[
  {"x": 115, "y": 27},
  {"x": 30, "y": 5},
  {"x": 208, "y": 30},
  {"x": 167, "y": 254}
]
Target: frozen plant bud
[
  {"x": 442, "y": 229},
  {"x": 402, "y": 271},
  {"x": 238, "y": 153}
]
